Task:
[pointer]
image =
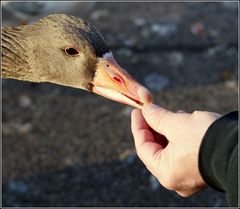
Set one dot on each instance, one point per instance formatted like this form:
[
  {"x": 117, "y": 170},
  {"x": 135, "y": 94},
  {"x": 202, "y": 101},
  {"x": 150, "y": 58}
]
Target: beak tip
[{"x": 144, "y": 95}]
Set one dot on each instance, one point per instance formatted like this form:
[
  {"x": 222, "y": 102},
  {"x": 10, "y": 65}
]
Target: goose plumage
[{"x": 69, "y": 51}]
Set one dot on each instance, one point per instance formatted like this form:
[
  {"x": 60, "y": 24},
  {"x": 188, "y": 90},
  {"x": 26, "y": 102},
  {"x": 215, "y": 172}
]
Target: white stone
[
  {"x": 163, "y": 29},
  {"x": 99, "y": 14},
  {"x": 139, "y": 21},
  {"x": 25, "y": 101},
  {"x": 18, "y": 186},
  {"x": 156, "y": 82},
  {"x": 154, "y": 184}
]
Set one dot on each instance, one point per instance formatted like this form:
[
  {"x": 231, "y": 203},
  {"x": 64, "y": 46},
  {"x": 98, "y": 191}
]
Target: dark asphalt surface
[{"x": 67, "y": 147}]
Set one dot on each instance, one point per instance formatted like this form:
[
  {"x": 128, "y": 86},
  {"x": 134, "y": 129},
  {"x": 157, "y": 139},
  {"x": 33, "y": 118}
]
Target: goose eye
[{"x": 71, "y": 51}]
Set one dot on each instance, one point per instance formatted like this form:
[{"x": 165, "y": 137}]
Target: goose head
[{"x": 69, "y": 51}]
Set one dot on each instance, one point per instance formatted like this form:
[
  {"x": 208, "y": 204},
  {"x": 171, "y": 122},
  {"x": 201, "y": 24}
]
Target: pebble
[
  {"x": 154, "y": 184},
  {"x": 213, "y": 50},
  {"x": 213, "y": 33},
  {"x": 156, "y": 82},
  {"x": 176, "y": 58},
  {"x": 139, "y": 21},
  {"x": 25, "y": 101},
  {"x": 18, "y": 187},
  {"x": 197, "y": 28},
  {"x": 145, "y": 33},
  {"x": 128, "y": 156},
  {"x": 98, "y": 14},
  {"x": 129, "y": 42},
  {"x": 231, "y": 84},
  {"x": 125, "y": 52},
  {"x": 24, "y": 128},
  {"x": 126, "y": 41},
  {"x": 217, "y": 202},
  {"x": 68, "y": 162},
  {"x": 131, "y": 158},
  {"x": 164, "y": 29}
]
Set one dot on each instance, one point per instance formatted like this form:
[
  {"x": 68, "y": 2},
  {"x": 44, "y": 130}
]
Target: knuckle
[{"x": 195, "y": 113}]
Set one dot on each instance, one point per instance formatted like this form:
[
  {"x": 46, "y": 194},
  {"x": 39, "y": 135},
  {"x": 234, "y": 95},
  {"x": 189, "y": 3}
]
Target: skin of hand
[{"x": 168, "y": 144}]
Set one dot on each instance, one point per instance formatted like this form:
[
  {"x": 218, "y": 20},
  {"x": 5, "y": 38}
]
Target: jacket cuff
[{"x": 218, "y": 152}]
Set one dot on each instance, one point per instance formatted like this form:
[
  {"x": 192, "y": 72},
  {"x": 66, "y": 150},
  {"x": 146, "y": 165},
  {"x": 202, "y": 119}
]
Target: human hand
[{"x": 168, "y": 144}]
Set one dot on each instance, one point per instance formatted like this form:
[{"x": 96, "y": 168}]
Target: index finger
[{"x": 146, "y": 146}]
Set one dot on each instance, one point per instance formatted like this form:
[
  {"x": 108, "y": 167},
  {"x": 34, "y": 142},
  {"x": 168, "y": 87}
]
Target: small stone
[
  {"x": 24, "y": 128},
  {"x": 139, "y": 21},
  {"x": 99, "y": 14},
  {"x": 164, "y": 29},
  {"x": 145, "y": 33},
  {"x": 18, "y": 186},
  {"x": 154, "y": 184},
  {"x": 129, "y": 42},
  {"x": 126, "y": 40},
  {"x": 213, "y": 50},
  {"x": 197, "y": 28},
  {"x": 125, "y": 52},
  {"x": 128, "y": 156},
  {"x": 131, "y": 158},
  {"x": 68, "y": 162},
  {"x": 156, "y": 82},
  {"x": 231, "y": 84},
  {"x": 213, "y": 33},
  {"x": 217, "y": 203},
  {"x": 25, "y": 101},
  {"x": 176, "y": 58}
]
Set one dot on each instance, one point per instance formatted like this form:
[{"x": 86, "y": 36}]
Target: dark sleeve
[{"x": 218, "y": 156}]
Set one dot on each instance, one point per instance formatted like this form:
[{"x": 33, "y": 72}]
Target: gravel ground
[{"x": 66, "y": 147}]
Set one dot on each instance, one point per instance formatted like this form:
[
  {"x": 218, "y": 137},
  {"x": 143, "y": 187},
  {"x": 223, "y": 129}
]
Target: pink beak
[{"x": 113, "y": 82}]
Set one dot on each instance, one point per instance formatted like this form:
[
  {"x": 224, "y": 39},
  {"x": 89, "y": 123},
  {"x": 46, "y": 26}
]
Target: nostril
[{"x": 119, "y": 80}]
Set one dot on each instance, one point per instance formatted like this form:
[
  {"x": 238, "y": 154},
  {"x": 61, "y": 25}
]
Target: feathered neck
[{"x": 14, "y": 53}]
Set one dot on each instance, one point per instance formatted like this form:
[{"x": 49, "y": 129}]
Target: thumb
[{"x": 158, "y": 118}]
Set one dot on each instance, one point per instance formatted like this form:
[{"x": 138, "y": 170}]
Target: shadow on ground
[{"x": 101, "y": 185}]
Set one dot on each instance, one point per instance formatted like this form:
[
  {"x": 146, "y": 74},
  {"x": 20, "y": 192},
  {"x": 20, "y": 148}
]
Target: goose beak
[{"x": 113, "y": 82}]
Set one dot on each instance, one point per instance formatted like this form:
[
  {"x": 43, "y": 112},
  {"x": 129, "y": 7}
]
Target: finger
[
  {"x": 147, "y": 148},
  {"x": 160, "y": 119},
  {"x": 138, "y": 121}
]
